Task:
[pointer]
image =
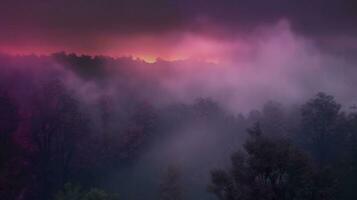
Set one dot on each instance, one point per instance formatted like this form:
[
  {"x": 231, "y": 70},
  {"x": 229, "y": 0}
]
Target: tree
[
  {"x": 9, "y": 117},
  {"x": 170, "y": 187},
  {"x": 74, "y": 192},
  {"x": 269, "y": 169},
  {"x": 98, "y": 194},
  {"x": 9, "y": 121},
  {"x": 319, "y": 117},
  {"x": 347, "y": 167},
  {"x": 69, "y": 192},
  {"x": 11, "y": 162},
  {"x": 57, "y": 126},
  {"x": 273, "y": 119}
]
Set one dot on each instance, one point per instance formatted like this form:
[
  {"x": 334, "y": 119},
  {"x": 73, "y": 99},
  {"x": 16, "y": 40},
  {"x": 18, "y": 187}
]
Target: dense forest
[{"x": 60, "y": 139}]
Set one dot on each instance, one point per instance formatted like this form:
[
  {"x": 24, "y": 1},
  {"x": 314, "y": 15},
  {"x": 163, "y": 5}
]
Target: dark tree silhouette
[
  {"x": 11, "y": 163},
  {"x": 347, "y": 165},
  {"x": 269, "y": 169},
  {"x": 171, "y": 185},
  {"x": 9, "y": 117},
  {"x": 56, "y": 129},
  {"x": 273, "y": 120},
  {"x": 75, "y": 192},
  {"x": 319, "y": 118}
]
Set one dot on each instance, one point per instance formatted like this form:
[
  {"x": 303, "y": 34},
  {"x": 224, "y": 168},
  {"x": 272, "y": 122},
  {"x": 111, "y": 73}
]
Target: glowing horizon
[{"x": 149, "y": 49}]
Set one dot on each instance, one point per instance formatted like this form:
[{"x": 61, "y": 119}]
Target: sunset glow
[
  {"x": 178, "y": 99},
  {"x": 148, "y": 49}
]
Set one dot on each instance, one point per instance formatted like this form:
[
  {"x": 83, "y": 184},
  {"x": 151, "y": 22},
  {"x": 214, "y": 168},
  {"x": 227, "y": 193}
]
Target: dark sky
[{"x": 82, "y": 24}]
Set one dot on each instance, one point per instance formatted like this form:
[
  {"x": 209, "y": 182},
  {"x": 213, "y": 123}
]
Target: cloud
[
  {"x": 92, "y": 27},
  {"x": 273, "y": 62}
]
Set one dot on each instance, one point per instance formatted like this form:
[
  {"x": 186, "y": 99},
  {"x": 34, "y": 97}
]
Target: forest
[{"x": 63, "y": 140}]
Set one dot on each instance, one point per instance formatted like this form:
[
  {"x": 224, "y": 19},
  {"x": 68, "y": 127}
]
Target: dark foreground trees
[
  {"x": 171, "y": 185},
  {"x": 320, "y": 127},
  {"x": 11, "y": 164},
  {"x": 47, "y": 142},
  {"x": 270, "y": 169},
  {"x": 57, "y": 128},
  {"x": 74, "y": 192}
]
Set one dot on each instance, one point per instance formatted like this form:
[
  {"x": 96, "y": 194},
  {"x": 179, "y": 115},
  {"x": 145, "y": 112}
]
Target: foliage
[
  {"x": 74, "y": 192},
  {"x": 269, "y": 169},
  {"x": 69, "y": 192},
  {"x": 319, "y": 119},
  {"x": 57, "y": 126},
  {"x": 97, "y": 194},
  {"x": 171, "y": 186},
  {"x": 56, "y": 138}
]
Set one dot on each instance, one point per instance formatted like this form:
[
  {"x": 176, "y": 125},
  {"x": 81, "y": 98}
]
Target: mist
[
  {"x": 231, "y": 77},
  {"x": 270, "y": 63}
]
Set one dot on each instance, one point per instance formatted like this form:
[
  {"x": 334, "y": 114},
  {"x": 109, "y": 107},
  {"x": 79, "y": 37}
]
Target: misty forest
[
  {"x": 178, "y": 100},
  {"x": 74, "y": 133}
]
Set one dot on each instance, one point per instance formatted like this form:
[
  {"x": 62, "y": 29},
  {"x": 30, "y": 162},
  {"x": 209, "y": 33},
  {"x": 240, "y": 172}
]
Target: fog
[{"x": 272, "y": 62}]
